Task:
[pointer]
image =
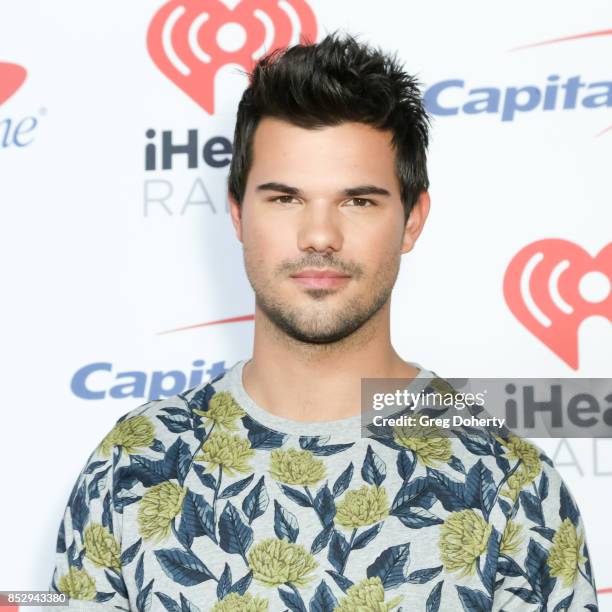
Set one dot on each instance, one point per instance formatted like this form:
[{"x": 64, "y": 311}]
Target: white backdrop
[{"x": 100, "y": 255}]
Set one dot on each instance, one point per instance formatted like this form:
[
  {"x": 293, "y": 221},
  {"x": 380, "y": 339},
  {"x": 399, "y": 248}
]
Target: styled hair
[{"x": 328, "y": 83}]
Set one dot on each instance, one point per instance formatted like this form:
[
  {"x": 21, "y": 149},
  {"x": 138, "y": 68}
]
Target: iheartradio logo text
[
  {"x": 190, "y": 40},
  {"x": 551, "y": 286}
]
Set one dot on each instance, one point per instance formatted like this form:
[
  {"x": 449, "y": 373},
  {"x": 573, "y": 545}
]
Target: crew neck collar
[{"x": 348, "y": 428}]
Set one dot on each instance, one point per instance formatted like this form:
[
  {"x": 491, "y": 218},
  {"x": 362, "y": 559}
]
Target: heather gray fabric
[{"x": 207, "y": 501}]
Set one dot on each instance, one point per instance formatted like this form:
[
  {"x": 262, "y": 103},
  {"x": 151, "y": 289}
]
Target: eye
[
  {"x": 362, "y": 202},
  {"x": 283, "y": 199}
]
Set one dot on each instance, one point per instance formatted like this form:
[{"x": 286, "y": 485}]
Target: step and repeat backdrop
[{"x": 122, "y": 278}]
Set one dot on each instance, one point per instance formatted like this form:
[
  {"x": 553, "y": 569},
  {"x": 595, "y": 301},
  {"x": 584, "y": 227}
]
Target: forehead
[{"x": 348, "y": 152}]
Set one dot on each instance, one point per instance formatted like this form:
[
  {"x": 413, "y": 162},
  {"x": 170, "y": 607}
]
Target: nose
[{"x": 319, "y": 228}]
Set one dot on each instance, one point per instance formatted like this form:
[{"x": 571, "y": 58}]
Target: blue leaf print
[
  {"x": 255, "y": 503},
  {"x": 538, "y": 570},
  {"x": 79, "y": 511},
  {"x": 424, "y": 575},
  {"x": 321, "y": 540},
  {"x": 412, "y": 493},
  {"x": 490, "y": 567},
  {"x": 148, "y": 472},
  {"x": 285, "y": 524},
  {"x": 567, "y": 508},
  {"x": 433, "y": 599},
  {"x": 323, "y": 599},
  {"x": 177, "y": 460},
  {"x": 260, "y": 436},
  {"x": 297, "y": 496},
  {"x": 387, "y": 441},
  {"x": 129, "y": 553},
  {"x": 236, "y": 487},
  {"x": 532, "y": 507},
  {"x": 234, "y": 536},
  {"x": 183, "y": 566},
  {"x": 457, "y": 464},
  {"x": 312, "y": 444},
  {"x": 208, "y": 480},
  {"x": 225, "y": 582},
  {"x": 168, "y": 602},
  {"x": 139, "y": 576},
  {"x": 543, "y": 486},
  {"x": 325, "y": 506},
  {"x": 417, "y": 518},
  {"x": 158, "y": 446},
  {"x": 366, "y": 537},
  {"x": 374, "y": 470},
  {"x": 176, "y": 411},
  {"x": 509, "y": 567},
  {"x": 176, "y": 423},
  {"x": 450, "y": 492},
  {"x": 200, "y": 400},
  {"x": 101, "y": 597},
  {"x": 405, "y": 464},
  {"x": 60, "y": 546},
  {"x": 143, "y": 601},
  {"x": 242, "y": 585},
  {"x": 505, "y": 506},
  {"x": 564, "y": 604},
  {"x": 197, "y": 517},
  {"x": 293, "y": 600},
  {"x": 93, "y": 466},
  {"x": 338, "y": 549},
  {"x": 473, "y": 445},
  {"x": 342, "y": 581},
  {"x": 187, "y": 606},
  {"x": 525, "y": 594},
  {"x": 389, "y": 565},
  {"x": 480, "y": 488},
  {"x": 473, "y": 600},
  {"x": 343, "y": 481},
  {"x": 117, "y": 582},
  {"x": 106, "y": 513}
]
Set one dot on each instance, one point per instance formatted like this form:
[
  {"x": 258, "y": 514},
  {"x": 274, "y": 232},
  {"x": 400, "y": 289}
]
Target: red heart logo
[
  {"x": 12, "y": 77},
  {"x": 542, "y": 289},
  {"x": 183, "y": 38}
]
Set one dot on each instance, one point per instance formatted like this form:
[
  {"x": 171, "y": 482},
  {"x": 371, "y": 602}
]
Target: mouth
[{"x": 320, "y": 279}]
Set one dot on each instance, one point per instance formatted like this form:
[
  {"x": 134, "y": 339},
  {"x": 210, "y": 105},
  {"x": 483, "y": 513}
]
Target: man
[{"x": 256, "y": 491}]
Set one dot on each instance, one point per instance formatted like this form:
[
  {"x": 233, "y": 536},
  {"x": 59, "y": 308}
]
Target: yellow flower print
[
  {"x": 223, "y": 411},
  {"x": 529, "y": 468},
  {"x": 463, "y": 537},
  {"x": 101, "y": 548},
  {"x": 364, "y": 506},
  {"x": 231, "y": 452},
  {"x": 565, "y": 556},
  {"x": 429, "y": 446},
  {"x": 369, "y": 594},
  {"x": 276, "y": 562},
  {"x": 133, "y": 433},
  {"x": 158, "y": 506},
  {"x": 298, "y": 467},
  {"x": 511, "y": 539},
  {"x": 77, "y": 584},
  {"x": 241, "y": 603}
]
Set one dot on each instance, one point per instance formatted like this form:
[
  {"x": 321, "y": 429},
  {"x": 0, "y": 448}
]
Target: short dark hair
[{"x": 322, "y": 84}]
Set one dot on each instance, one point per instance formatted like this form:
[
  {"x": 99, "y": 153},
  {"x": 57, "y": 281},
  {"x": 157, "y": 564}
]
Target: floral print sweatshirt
[{"x": 206, "y": 501}]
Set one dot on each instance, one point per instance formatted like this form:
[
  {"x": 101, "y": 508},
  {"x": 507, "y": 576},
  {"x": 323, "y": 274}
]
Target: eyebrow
[{"x": 354, "y": 192}]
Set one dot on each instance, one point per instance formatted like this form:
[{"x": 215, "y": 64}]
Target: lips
[{"x": 319, "y": 274}]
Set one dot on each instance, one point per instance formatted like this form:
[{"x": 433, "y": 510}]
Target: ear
[
  {"x": 236, "y": 214},
  {"x": 416, "y": 221}
]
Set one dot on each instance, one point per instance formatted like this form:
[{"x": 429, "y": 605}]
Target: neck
[{"x": 319, "y": 382}]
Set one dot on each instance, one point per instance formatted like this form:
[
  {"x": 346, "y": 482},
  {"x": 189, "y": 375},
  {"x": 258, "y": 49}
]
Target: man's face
[{"x": 324, "y": 201}]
